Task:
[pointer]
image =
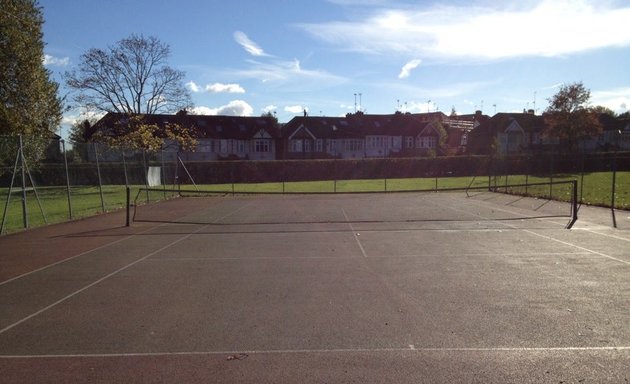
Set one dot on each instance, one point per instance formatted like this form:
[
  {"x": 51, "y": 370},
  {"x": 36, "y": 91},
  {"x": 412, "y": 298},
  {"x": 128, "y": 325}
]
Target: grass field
[{"x": 593, "y": 189}]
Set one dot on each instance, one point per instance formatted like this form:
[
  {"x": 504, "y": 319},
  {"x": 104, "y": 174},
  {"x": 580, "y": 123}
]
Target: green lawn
[{"x": 86, "y": 200}]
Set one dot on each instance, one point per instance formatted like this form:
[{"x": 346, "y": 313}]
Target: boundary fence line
[{"x": 92, "y": 178}]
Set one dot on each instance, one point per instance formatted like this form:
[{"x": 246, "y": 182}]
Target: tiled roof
[{"x": 224, "y": 127}]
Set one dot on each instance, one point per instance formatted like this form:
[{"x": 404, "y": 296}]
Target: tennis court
[{"x": 373, "y": 287}]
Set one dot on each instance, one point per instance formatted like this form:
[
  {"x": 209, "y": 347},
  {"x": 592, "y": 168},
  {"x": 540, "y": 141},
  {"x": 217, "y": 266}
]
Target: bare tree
[{"x": 131, "y": 77}]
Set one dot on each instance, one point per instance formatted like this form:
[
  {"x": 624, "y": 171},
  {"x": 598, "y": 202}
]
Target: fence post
[
  {"x": 65, "y": 163},
  {"x": 612, "y": 195},
  {"x": 124, "y": 167},
  {"x": 574, "y": 204},
  {"x": 98, "y": 173},
  {"x": 146, "y": 173},
  {"x": 128, "y": 201},
  {"x": 24, "y": 207}
]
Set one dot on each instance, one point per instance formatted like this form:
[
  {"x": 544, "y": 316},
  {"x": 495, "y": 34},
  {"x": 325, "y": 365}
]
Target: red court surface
[{"x": 371, "y": 288}]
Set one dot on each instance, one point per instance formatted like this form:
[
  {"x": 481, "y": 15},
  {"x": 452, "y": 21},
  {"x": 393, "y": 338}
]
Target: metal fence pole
[
  {"x": 122, "y": 152},
  {"x": 98, "y": 173},
  {"x": 65, "y": 162},
  {"x": 24, "y": 207},
  {"x": 146, "y": 173},
  {"x": 612, "y": 195}
]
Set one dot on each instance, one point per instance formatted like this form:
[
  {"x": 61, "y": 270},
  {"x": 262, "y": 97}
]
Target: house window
[
  {"x": 464, "y": 140},
  {"x": 377, "y": 142},
  {"x": 262, "y": 146},
  {"x": 353, "y": 145},
  {"x": 319, "y": 145},
  {"x": 425, "y": 142},
  {"x": 240, "y": 146},
  {"x": 535, "y": 138},
  {"x": 307, "y": 145},
  {"x": 224, "y": 146},
  {"x": 332, "y": 146},
  {"x": 295, "y": 146},
  {"x": 409, "y": 141}
]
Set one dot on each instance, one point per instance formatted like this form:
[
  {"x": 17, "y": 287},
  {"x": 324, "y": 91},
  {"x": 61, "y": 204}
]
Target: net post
[
  {"x": 128, "y": 196},
  {"x": 574, "y": 204}
]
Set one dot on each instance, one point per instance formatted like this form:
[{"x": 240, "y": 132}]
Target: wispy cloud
[
  {"x": 251, "y": 47},
  {"x": 56, "y": 61},
  {"x": 233, "y": 108},
  {"x": 549, "y": 28},
  {"x": 407, "y": 68},
  {"x": 289, "y": 74}
]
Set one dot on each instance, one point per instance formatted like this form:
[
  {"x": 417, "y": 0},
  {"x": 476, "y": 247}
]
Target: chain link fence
[{"x": 49, "y": 181}]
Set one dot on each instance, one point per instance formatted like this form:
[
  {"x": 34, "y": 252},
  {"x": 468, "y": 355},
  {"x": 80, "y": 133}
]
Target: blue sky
[{"x": 248, "y": 57}]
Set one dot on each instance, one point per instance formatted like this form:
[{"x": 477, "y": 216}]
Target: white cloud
[
  {"x": 617, "y": 99},
  {"x": 295, "y": 109},
  {"x": 251, "y": 47},
  {"x": 407, "y": 68},
  {"x": 233, "y": 108},
  {"x": 224, "y": 88},
  {"x": 549, "y": 28},
  {"x": 215, "y": 88},
  {"x": 418, "y": 106},
  {"x": 74, "y": 116},
  {"x": 269, "y": 108},
  {"x": 56, "y": 61},
  {"x": 193, "y": 87}
]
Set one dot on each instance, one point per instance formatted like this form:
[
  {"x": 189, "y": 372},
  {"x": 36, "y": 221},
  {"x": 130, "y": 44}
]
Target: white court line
[
  {"x": 410, "y": 348},
  {"x": 75, "y": 256},
  {"x": 354, "y": 233},
  {"x": 543, "y": 236},
  {"x": 113, "y": 274},
  {"x": 388, "y": 256}
]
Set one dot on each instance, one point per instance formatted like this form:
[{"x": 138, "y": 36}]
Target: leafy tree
[
  {"x": 569, "y": 116},
  {"x": 270, "y": 115},
  {"x": 442, "y": 134},
  {"x": 131, "y": 77},
  {"x": 29, "y": 104},
  {"x": 135, "y": 133},
  {"x": 80, "y": 131},
  {"x": 600, "y": 109}
]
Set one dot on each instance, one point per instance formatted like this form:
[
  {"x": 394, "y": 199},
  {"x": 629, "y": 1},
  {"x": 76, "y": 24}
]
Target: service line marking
[{"x": 354, "y": 233}]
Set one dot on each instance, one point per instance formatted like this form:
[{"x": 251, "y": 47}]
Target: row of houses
[{"x": 360, "y": 135}]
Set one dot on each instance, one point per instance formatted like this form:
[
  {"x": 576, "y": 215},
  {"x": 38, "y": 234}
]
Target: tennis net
[{"x": 314, "y": 204}]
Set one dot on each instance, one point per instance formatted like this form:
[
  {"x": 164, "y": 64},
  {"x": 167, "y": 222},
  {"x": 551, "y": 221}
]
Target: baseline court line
[{"x": 410, "y": 348}]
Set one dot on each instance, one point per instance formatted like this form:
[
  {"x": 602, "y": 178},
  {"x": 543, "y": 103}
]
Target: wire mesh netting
[
  {"x": 47, "y": 181},
  {"x": 318, "y": 203}
]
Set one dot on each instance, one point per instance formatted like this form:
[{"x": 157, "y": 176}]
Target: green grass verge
[{"x": 593, "y": 188}]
